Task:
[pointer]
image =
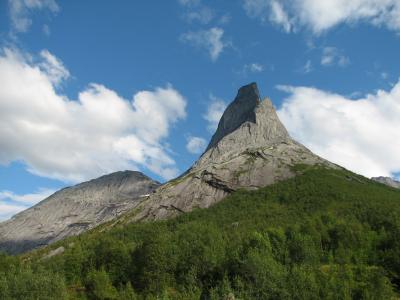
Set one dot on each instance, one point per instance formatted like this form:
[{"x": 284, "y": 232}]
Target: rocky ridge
[
  {"x": 74, "y": 210},
  {"x": 250, "y": 149}
]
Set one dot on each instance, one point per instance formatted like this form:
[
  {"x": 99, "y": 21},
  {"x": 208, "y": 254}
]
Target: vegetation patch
[{"x": 318, "y": 235}]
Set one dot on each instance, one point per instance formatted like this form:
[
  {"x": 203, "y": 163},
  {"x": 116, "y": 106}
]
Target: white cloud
[
  {"x": 279, "y": 16},
  {"x": 74, "y": 140},
  {"x": 11, "y": 203},
  {"x": 196, "y": 145},
  {"x": 20, "y": 11},
  {"x": 362, "y": 135},
  {"x": 332, "y": 56},
  {"x": 268, "y": 10},
  {"x": 26, "y": 199},
  {"x": 255, "y": 67},
  {"x": 251, "y": 68},
  {"x": 320, "y": 16},
  {"x": 210, "y": 40},
  {"x": 53, "y": 67},
  {"x": 8, "y": 210},
  {"x": 215, "y": 109}
]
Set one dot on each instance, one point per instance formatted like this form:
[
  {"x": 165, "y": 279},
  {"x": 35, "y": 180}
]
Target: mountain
[
  {"x": 388, "y": 181},
  {"x": 74, "y": 210},
  {"x": 250, "y": 149}
]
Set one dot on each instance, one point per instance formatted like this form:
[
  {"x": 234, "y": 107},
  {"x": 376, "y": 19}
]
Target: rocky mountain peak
[
  {"x": 250, "y": 149},
  {"x": 246, "y": 123},
  {"x": 241, "y": 110}
]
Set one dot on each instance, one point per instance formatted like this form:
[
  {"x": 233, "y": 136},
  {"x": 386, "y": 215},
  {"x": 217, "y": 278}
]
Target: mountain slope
[
  {"x": 250, "y": 149},
  {"x": 73, "y": 210},
  {"x": 324, "y": 234}
]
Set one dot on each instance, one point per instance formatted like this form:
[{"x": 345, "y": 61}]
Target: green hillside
[{"x": 325, "y": 234}]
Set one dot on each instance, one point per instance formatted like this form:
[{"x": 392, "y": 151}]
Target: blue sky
[{"x": 91, "y": 87}]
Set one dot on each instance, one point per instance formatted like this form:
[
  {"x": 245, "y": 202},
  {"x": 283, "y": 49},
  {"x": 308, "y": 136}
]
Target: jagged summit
[
  {"x": 250, "y": 149},
  {"x": 241, "y": 110},
  {"x": 246, "y": 123},
  {"x": 248, "y": 111}
]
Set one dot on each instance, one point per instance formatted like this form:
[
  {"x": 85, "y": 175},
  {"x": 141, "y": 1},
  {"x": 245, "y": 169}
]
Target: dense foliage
[{"x": 325, "y": 234}]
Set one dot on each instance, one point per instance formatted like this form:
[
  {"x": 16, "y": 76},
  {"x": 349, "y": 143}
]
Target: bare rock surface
[
  {"x": 250, "y": 149},
  {"x": 388, "y": 181},
  {"x": 73, "y": 210}
]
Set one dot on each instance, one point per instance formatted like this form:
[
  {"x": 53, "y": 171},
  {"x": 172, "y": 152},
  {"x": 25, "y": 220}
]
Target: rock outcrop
[
  {"x": 388, "y": 181},
  {"x": 73, "y": 210},
  {"x": 250, "y": 149}
]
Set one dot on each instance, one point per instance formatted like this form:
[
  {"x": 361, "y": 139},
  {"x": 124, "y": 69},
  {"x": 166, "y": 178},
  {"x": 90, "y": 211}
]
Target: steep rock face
[
  {"x": 388, "y": 181},
  {"x": 73, "y": 210},
  {"x": 250, "y": 149}
]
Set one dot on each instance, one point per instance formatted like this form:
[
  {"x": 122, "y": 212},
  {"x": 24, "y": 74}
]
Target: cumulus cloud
[
  {"x": 215, "y": 109},
  {"x": 196, "y": 145},
  {"x": 210, "y": 40},
  {"x": 332, "y": 56},
  {"x": 362, "y": 135},
  {"x": 74, "y": 140},
  {"x": 11, "y": 203},
  {"x": 320, "y": 16},
  {"x": 20, "y": 11}
]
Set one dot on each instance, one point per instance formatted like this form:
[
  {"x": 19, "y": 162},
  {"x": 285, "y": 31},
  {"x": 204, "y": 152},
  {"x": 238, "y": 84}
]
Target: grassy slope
[{"x": 324, "y": 234}]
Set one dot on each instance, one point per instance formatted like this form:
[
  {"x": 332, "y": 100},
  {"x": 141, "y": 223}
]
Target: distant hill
[{"x": 74, "y": 210}]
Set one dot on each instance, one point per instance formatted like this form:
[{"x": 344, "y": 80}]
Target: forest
[{"x": 324, "y": 234}]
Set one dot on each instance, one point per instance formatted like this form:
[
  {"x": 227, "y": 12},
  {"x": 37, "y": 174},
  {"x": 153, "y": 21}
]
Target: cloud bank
[
  {"x": 362, "y": 135},
  {"x": 75, "y": 140}
]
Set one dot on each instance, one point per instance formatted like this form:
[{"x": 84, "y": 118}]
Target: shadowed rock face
[
  {"x": 388, "y": 181},
  {"x": 250, "y": 149},
  {"x": 73, "y": 210}
]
